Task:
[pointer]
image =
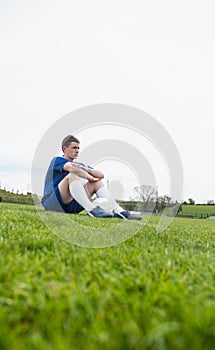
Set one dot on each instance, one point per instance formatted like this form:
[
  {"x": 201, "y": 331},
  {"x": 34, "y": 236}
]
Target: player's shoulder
[{"x": 59, "y": 160}]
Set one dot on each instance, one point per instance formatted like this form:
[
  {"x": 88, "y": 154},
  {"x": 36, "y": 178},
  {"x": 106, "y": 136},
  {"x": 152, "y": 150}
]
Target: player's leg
[
  {"x": 119, "y": 212},
  {"x": 64, "y": 189},
  {"x": 71, "y": 187},
  {"x": 93, "y": 187},
  {"x": 103, "y": 192}
]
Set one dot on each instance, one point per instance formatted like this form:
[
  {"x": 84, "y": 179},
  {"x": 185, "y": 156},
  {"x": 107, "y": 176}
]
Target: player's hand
[{"x": 91, "y": 178}]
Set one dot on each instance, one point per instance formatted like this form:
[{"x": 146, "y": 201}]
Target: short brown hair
[{"x": 68, "y": 139}]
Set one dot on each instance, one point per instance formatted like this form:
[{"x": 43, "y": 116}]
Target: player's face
[{"x": 71, "y": 152}]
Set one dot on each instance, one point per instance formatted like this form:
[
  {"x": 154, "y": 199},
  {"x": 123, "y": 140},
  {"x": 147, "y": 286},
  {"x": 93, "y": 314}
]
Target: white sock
[
  {"x": 104, "y": 193},
  {"x": 78, "y": 192}
]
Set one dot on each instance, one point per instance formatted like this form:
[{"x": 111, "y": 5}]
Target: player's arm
[
  {"x": 80, "y": 171},
  {"x": 94, "y": 172}
]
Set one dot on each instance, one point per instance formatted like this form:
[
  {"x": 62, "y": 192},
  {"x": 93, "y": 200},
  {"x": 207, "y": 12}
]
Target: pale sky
[{"x": 58, "y": 56}]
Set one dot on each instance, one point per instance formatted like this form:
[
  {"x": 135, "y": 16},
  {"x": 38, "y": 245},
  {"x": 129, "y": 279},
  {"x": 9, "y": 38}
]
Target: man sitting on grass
[{"x": 66, "y": 191}]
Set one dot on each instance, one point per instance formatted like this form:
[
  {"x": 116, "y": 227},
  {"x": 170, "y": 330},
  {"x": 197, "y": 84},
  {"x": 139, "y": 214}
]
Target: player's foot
[
  {"x": 125, "y": 214},
  {"x": 98, "y": 212}
]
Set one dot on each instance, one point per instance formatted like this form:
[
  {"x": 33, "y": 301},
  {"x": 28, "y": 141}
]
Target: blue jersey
[{"x": 55, "y": 175}]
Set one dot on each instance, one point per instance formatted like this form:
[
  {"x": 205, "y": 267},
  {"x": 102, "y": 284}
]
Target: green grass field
[
  {"x": 153, "y": 291},
  {"x": 198, "y": 210}
]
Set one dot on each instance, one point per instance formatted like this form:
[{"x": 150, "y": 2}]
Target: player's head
[
  {"x": 70, "y": 147},
  {"x": 68, "y": 140}
]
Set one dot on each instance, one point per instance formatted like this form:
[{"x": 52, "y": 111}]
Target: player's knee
[
  {"x": 73, "y": 177},
  {"x": 98, "y": 184}
]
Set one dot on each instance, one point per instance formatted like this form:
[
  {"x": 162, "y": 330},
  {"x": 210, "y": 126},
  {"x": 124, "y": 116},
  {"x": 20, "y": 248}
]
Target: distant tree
[
  {"x": 147, "y": 196},
  {"x": 191, "y": 201},
  {"x": 210, "y": 202},
  {"x": 145, "y": 193},
  {"x": 164, "y": 199}
]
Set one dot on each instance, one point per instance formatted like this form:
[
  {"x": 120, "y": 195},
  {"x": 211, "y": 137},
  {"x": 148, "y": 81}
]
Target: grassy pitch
[
  {"x": 198, "y": 210},
  {"x": 154, "y": 291}
]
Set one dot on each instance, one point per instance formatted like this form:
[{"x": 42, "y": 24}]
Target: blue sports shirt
[{"x": 55, "y": 175}]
